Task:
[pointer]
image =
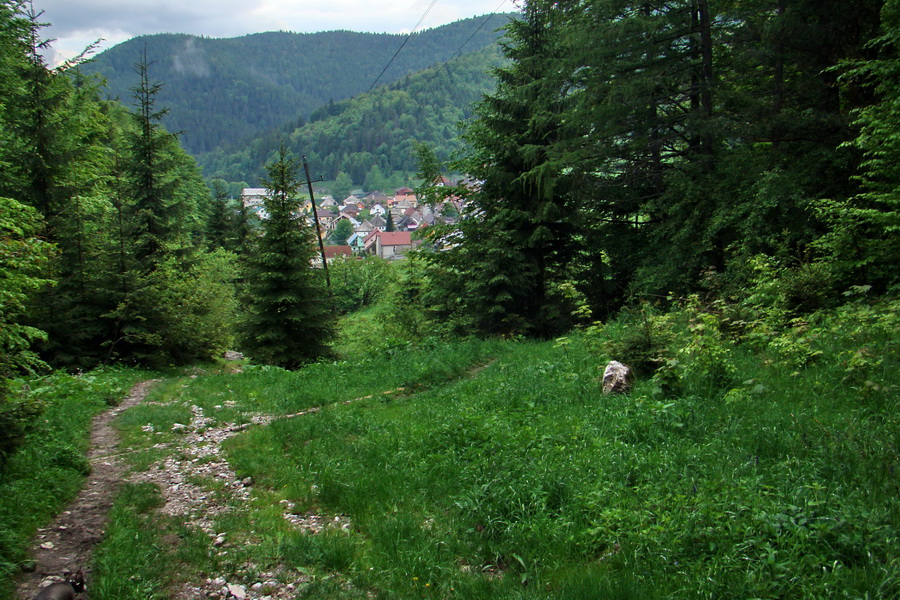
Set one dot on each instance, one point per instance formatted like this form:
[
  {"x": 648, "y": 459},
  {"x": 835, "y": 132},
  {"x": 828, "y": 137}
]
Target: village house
[
  {"x": 389, "y": 245},
  {"x": 411, "y": 220},
  {"x": 364, "y": 228},
  {"x": 327, "y": 221},
  {"x": 406, "y": 194},
  {"x": 253, "y": 197},
  {"x": 357, "y": 242},
  {"x": 350, "y": 211},
  {"x": 375, "y": 197}
]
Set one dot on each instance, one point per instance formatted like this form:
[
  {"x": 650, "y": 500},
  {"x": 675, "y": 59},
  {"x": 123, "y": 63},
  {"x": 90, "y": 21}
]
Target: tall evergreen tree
[
  {"x": 519, "y": 231},
  {"x": 288, "y": 321},
  {"x": 161, "y": 211},
  {"x": 221, "y": 219}
]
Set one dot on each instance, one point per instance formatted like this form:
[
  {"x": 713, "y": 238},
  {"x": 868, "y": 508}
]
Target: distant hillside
[
  {"x": 373, "y": 130},
  {"x": 221, "y": 91}
]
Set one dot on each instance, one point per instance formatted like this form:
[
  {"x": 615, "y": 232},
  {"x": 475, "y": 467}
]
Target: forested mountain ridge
[
  {"x": 220, "y": 91},
  {"x": 374, "y": 133}
]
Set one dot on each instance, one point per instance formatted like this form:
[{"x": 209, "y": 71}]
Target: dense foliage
[
  {"x": 102, "y": 221},
  {"x": 641, "y": 148},
  {"x": 223, "y": 92}
]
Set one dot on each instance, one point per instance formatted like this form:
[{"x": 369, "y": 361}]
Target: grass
[
  {"x": 128, "y": 564},
  {"x": 750, "y": 466},
  {"x": 49, "y": 468},
  {"x": 771, "y": 480}
]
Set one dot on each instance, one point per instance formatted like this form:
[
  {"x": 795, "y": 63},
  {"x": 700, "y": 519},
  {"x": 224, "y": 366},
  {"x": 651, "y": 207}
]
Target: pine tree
[
  {"x": 161, "y": 212},
  {"x": 288, "y": 320},
  {"x": 863, "y": 244},
  {"x": 518, "y": 233},
  {"x": 220, "y": 228}
]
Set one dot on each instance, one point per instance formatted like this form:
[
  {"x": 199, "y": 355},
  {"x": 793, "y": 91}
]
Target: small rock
[
  {"x": 247, "y": 481},
  {"x": 256, "y": 586},
  {"x": 238, "y": 591},
  {"x": 219, "y": 541},
  {"x": 48, "y": 546},
  {"x": 179, "y": 427},
  {"x": 617, "y": 378}
]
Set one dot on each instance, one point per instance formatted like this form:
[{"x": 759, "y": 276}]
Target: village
[{"x": 368, "y": 224}]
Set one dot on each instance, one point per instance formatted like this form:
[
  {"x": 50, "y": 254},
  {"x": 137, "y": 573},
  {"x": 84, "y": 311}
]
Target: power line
[
  {"x": 408, "y": 37},
  {"x": 458, "y": 50}
]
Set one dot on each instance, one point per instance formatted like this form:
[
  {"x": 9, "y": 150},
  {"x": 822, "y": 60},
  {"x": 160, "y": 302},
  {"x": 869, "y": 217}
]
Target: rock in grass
[{"x": 617, "y": 378}]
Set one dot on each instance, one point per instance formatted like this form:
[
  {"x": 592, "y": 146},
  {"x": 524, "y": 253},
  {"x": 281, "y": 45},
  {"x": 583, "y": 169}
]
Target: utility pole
[{"x": 312, "y": 198}]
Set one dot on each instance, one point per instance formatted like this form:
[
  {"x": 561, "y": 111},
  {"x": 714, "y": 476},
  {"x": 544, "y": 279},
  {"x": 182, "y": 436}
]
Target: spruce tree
[
  {"x": 518, "y": 236},
  {"x": 161, "y": 212},
  {"x": 288, "y": 321}
]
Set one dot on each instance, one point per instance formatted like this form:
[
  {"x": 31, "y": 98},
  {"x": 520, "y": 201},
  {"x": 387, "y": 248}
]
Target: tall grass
[
  {"x": 131, "y": 562},
  {"x": 775, "y": 481}
]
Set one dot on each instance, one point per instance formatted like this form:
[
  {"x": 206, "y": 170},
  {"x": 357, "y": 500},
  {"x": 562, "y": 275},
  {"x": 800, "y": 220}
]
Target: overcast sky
[{"x": 77, "y": 23}]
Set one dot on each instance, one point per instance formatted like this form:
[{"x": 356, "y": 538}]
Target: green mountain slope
[
  {"x": 221, "y": 91},
  {"x": 374, "y": 130}
]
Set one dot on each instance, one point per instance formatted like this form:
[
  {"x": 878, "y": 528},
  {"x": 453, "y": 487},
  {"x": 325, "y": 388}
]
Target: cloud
[{"x": 77, "y": 23}]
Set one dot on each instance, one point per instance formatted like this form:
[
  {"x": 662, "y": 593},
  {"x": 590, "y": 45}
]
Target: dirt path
[{"x": 66, "y": 544}]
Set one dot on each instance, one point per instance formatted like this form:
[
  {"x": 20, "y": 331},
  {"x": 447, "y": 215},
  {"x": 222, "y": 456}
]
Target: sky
[{"x": 75, "y": 24}]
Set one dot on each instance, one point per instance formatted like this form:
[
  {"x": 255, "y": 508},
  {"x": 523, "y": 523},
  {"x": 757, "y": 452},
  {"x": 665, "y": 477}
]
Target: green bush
[
  {"x": 641, "y": 337},
  {"x": 358, "y": 283},
  {"x": 17, "y": 414}
]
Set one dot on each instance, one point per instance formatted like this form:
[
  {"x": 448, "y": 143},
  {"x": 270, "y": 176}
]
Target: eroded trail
[{"x": 66, "y": 545}]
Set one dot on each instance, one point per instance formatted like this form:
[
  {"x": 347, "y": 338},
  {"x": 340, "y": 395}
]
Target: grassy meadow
[
  {"x": 754, "y": 464},
  {"x": 757, "y": 462}
]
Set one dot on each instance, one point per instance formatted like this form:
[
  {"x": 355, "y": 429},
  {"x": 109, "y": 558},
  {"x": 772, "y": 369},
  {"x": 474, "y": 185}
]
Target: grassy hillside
[
  {"x": 223, "y": 91},
  {"x": 755, "y": 464}
]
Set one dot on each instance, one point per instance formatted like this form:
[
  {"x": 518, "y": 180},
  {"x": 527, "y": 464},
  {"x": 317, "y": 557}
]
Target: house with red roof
[{"x": 389, "y": 245}]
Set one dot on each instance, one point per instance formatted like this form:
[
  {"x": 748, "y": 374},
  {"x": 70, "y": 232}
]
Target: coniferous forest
[
  {"x": 707, "y": 190},
  {"x": 640, "y": 150}
]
